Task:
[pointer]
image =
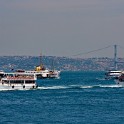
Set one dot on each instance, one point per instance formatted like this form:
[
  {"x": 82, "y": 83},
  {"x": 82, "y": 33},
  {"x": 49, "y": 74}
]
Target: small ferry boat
[
  {"x": 41, "y": 72},
  {"x": 112, "y": 74},
  {"x": 44, "y": 73},
  {"x": 16, "y": 81}
]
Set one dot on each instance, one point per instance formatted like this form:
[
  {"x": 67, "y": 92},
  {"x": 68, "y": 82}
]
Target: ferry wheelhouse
[{"x": 18, "y": 81}]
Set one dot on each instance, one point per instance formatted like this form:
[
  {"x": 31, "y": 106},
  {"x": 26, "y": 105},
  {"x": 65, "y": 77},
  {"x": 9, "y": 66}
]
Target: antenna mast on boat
[
  {"x": 40, "y": 59},
  {"x": 115, "y": 57}
]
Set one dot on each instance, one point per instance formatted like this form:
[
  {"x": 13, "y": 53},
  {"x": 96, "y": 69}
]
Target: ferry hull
[{"x": 17, "y": 87}]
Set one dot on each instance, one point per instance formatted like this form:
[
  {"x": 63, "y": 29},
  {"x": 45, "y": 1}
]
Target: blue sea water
[{"x": 75, "y": 98}]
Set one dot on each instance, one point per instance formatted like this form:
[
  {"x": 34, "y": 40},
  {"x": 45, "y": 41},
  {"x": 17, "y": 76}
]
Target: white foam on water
[
  {"x": 68, "y": 87},
  {"x": 65, "y": 87},
  {"x": 79, "y": 86},
  {"x": 86, "y": 87},
  {"x": 100, "y": 79},
  {"x": 53, "y": 87},
  {"x": 111, "y": 86}
]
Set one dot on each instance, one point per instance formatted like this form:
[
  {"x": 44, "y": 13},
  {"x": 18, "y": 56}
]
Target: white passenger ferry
[
  {"x": 41, "y": 73},
  {"x": 44, "y": 73},
  {"x": 17, "y": 81}
]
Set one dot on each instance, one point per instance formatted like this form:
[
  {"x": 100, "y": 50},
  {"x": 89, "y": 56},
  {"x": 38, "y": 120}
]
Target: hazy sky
[{"x": 61, "y": 27}]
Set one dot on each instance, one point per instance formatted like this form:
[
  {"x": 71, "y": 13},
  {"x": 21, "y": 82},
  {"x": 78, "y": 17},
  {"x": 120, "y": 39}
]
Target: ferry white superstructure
[
  {"x": 17, "y": 81},
  {"x": 44, "y": 73}
]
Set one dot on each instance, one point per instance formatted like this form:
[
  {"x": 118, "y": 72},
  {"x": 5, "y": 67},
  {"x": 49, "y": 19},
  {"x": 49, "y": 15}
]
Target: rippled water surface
[{"x": 75, "y": 98}]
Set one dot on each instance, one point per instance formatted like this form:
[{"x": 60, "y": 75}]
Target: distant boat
[
  {"x": 17, "y": 81},
  {"x": 39, "y": 74},
  {"x": 112, "y": 74},
  {"x": 120, "y": 79},
  {"x": 42, "y": 72}
]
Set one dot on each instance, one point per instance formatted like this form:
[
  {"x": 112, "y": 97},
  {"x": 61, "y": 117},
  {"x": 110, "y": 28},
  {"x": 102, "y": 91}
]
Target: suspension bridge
[{"x": 115, "y": 59}]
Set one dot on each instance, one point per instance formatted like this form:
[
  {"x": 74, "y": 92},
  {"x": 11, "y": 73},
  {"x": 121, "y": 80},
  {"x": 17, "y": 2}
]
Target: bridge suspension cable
[
  {"x": 83, "y": 53},
  {"x": 115, "y": 53}
]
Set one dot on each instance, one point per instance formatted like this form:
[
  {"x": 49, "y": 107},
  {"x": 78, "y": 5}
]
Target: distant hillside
[{"x": 60, "y": 63}]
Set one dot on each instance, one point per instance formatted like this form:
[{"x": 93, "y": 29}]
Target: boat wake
[
  {"x": 79, "y": 87},
  {"x": 53, "y": 87},
  {"x": 68, "y": 87},
  {"x": 111, "y": 86}
]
